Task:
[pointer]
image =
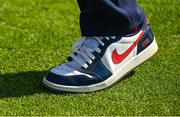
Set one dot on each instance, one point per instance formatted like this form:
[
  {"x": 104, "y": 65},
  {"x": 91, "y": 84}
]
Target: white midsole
[{"x": 126, "y": 68}]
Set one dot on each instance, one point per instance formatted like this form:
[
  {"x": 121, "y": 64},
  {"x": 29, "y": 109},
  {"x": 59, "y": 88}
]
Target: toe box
[{"x": 74, "y": 80}]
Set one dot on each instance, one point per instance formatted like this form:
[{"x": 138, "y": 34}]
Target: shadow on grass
[
  {"x": 27, "y": 83},
  {"x": 20, "y": 84}
]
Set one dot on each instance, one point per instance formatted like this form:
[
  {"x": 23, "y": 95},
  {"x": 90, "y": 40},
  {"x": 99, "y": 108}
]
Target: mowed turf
[{"x": 36, "y": 35}]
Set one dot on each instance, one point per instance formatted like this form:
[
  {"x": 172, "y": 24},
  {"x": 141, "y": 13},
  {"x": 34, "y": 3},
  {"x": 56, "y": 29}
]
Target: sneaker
[{"x": 99, "y": 62}]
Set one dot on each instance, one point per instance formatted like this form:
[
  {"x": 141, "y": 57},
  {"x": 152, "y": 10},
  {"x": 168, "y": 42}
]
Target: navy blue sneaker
[{"x": 99, "y": 62}]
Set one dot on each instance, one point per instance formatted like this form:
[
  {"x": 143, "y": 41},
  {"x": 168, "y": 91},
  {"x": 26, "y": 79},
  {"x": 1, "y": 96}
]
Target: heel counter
[{"x": 146, "y": 40}]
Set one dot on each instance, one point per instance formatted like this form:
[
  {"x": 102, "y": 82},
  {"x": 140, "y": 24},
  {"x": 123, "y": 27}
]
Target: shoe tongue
[{"x": 91, "y": 42}]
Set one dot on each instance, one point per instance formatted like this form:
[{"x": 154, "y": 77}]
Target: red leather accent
[{"x": 117, "y": 59}]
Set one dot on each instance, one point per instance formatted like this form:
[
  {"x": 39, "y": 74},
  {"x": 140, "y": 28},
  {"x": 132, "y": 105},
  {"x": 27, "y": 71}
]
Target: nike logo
[{"x": 119, "y": 58}]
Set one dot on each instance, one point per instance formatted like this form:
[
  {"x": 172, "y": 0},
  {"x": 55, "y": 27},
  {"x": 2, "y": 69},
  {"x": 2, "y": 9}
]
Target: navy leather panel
[{"x": 99, "y": 70}]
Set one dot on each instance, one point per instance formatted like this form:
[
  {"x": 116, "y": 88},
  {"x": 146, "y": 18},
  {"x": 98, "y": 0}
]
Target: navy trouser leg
[{"x": 109, "y": 17}]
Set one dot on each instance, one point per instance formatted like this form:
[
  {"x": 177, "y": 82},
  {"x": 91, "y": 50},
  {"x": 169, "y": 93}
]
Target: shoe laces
[{"x": 83, "y": 50}]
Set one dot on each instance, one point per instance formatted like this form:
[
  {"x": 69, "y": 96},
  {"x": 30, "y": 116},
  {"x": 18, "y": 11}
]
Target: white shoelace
[{"x": 84, "y": 52}]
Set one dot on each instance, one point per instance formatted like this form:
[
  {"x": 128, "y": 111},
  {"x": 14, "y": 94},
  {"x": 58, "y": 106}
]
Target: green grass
[{"x": 36, "y": 35}]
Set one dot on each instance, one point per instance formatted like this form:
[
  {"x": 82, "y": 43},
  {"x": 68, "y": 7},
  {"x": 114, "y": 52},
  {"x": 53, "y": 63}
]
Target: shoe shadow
[
  {"x": 21, "y": 84},
  {"x": 28, "y": 83}
]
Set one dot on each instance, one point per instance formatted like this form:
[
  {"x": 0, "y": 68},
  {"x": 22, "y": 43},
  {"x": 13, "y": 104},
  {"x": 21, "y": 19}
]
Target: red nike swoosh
[{"x": 119, "y": 58}]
